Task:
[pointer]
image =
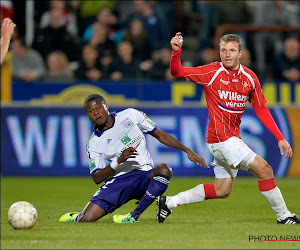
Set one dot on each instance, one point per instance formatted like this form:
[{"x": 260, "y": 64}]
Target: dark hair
[{"x": 94, "y": 97}]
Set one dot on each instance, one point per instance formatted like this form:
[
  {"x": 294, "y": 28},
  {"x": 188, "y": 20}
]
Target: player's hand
[
  {"x": 7, "y": 28},
  {"x": 283, "y": 144},
  {"x": 197, "y": 159},
  {"x": 176, "y": 44},
  {"x": 126, "y": 154}
]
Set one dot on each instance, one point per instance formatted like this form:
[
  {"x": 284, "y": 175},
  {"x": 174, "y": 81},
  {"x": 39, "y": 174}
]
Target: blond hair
[{"x": 231, "y": 38}]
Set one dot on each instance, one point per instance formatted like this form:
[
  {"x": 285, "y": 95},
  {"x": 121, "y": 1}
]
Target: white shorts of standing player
[{"x": 229, "y": 156}]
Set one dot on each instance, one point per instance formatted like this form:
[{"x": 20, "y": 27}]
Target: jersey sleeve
[
  {"x": 258, "y": 102},
  {"x": 96, "y": 161},
  {"x": 256, "y": 98},
  {"x": 199, "y": 75},
  {"x": 145, "y": 124}
]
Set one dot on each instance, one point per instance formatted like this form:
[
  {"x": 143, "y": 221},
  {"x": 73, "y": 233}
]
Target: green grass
[{"x": 214, "y": 224}]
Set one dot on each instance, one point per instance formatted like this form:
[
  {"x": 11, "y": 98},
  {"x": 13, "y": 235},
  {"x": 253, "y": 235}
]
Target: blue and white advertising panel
[{"x": 51, "y": 141}]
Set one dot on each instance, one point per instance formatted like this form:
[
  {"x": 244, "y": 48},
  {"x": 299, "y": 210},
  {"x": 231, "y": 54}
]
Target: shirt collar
[
  {"x": 100, "y": 132},
  {"x": 227, "y": 70}
]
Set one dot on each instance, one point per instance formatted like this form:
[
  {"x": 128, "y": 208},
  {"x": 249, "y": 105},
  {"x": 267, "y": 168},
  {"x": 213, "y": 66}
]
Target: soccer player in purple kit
[{"x": 119, "y": 139}]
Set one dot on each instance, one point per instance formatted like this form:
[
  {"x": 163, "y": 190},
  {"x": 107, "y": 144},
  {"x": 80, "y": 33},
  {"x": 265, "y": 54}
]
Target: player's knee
[
  {"x": 164, "y": 169},
  {"x": 268, "y": 171}
]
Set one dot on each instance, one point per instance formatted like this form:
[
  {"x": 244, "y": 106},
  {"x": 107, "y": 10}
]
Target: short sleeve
[
  {"x": 96, "y": 162},
  {"x": 145, "y": 124}
]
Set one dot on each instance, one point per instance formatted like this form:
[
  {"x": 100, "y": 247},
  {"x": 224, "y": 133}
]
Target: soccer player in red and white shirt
[{"x": 228, "y": 85}]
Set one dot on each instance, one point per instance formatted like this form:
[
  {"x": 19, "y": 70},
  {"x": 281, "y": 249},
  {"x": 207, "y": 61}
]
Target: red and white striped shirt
[{"x": 226, "y": 92}]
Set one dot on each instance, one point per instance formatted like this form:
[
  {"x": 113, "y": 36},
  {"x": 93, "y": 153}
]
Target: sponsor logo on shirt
[
  {"x": 125, "y": 139},
  {"x": 133, "y": 143},
  {"x": 108, "y": 141},
  {"x": 232, "y": 96},
  {"x": 151, "y": 122},
  {"x": 127, "y": 123},
  {"x": 224, "y": 82},
  {"x": 235, "y": 80},
  {"x": 92, "y": 164}
]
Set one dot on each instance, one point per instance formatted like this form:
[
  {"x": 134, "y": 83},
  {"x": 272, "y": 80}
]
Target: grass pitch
[{"x": 213, "y": 224}]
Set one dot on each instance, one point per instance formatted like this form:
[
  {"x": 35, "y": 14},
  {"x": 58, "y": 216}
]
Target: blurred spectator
[
  {"x": 106, "y": 61},
  {"x": 124, "y": 9},
  {"x": 152, "y": 23},
  {"x": 125, "y": 67},
  {"x": 40, "y": 7},
  {"x": 286, "y": 65},
  {"x": 27, "y": 64},
  {"x": 246, "y": 59},
  {"x": 101, "y": 41},
  {"x": 206, "y": 10},
  {"x": 161, "y": 68},
  {"x": 58, "y": 68},
  {"x": 266, "y": 44},
  {"x": 55, "y": 37},
  {"x": 89, "y": 67},
  {"x": 292, "y": 10},
  {"x": 232, "y": 12},
  {"x": 165, "y": 11},
  {"x": 67, "y": 19},
  {"x": 206, "y": 56},
  {"x": 108, "y": 19},
  {"x": 139, "y": 39},
  {"x": 88, "y": 10}
]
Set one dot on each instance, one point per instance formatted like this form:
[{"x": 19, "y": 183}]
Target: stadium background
[{"x": 44, "y": 128}]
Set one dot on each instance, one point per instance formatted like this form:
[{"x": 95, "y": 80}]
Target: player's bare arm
[
  {"x": 102, "y": 174},
  {"x": 176, "y": 42},
  {"x": 7, "y": 30},
  {"x": 283, "y": 144},
  {"x": 170, "y": 141}
]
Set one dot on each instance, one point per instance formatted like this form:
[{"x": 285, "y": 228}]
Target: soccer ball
[{"x": 22, "y": 215}]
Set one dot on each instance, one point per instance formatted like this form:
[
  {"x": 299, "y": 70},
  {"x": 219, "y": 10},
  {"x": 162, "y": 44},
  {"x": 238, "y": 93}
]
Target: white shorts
[{"x": 229, "y": 156}]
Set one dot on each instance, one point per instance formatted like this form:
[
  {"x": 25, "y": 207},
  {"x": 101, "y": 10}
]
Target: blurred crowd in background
[{"x": 129, "y": 40}]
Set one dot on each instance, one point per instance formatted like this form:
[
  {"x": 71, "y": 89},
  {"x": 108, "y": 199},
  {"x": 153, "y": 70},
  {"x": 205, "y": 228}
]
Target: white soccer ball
[{"x": 22, "y": 215}]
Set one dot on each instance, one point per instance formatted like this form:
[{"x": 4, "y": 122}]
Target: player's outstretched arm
[
  {"x": 7, "y": 29},
  {"x": 267, "y": 120},
  {"x": 176, "y": 69},
  {"x": 170, "y": 141},
  {"x": 283, "y": 144}
]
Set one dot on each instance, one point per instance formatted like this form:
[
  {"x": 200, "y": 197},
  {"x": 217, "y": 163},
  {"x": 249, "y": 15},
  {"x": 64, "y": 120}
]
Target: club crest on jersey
[
  {"x": 127, "y": 123},
  {"x": 125, "y": 139},
  {"x": 246, "y": 85},
  {"x": 224, "y": 82}
]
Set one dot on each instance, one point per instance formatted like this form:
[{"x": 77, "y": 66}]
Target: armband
[{"x": 114, "y": 163}]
